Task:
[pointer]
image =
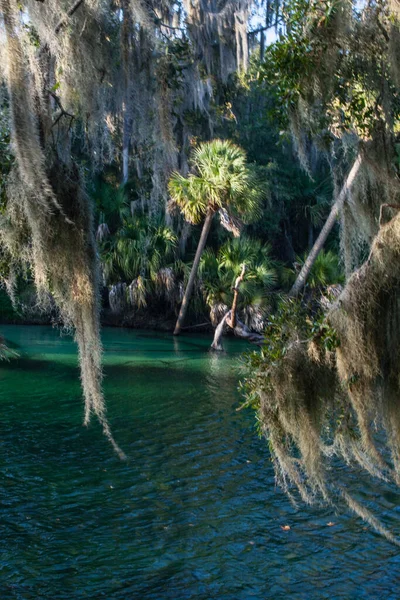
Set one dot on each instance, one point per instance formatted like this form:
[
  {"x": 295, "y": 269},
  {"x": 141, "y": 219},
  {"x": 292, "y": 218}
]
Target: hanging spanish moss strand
[
  {"x": 25, "y": 133},
  {"x": 225, "y": 21},
  {"x": 49, "y": 196}
]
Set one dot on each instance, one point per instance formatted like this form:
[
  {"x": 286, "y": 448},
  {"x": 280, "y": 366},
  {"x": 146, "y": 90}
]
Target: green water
[{"x": 193, "y": 513}]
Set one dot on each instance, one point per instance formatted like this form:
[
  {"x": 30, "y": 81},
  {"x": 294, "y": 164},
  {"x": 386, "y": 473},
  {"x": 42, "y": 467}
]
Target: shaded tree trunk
[
  {"x": 289, "y": 250},
  {"x": 321, "y": 239},
  {"x": 193, "y": 272},
  {"x": 126, "y": 107},
  {"x": 310, "y": 235}
]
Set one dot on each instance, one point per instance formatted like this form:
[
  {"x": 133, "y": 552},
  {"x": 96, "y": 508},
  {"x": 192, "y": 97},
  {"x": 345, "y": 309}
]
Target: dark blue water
[{"x": 194, "y": 512}]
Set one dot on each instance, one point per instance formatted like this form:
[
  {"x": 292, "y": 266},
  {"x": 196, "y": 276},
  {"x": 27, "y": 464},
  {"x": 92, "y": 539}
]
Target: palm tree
[
  {"x": 220, "y": 181},
  {"x": 219, "y": 272},
  {"x": 142, "y": 251},
  {"x": 325, "y": 271}
]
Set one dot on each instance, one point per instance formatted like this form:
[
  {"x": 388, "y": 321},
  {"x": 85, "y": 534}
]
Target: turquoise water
[{"x": 194, "y": 512}]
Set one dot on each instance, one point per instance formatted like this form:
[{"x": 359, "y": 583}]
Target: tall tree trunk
[
  {"x": 321, "y": 239},
  {"x": 310, "y": 235},
  {"x": 183, "y": 237},
  {"x": 262, "y": 46},
  {"x": 289, "y": 250},
  {"x": 126, "y": 103},
  {"x": 125, "y": 154},
  {"x": 193, "y": 272}
]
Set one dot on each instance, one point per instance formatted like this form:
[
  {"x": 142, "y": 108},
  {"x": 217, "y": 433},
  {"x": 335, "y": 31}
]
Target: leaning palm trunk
[
  {"x": 193, "y": 272},
  {"x": 331, "y": 220},
  {"x": 219, "y": 331}
]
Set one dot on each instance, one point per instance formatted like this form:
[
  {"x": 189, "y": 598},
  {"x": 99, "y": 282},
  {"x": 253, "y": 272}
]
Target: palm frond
[
  {"x": 220, "y": 179},
  {"x": 138, "y": 291},
  {"x": 325, "y": 271}
]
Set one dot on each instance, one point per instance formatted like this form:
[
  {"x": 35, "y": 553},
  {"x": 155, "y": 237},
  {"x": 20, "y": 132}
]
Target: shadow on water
[{"x": 194, "y": 512}]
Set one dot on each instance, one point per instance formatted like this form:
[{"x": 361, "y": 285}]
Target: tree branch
[
  {"x": 161, "y": 24},
  {"x": 62, "y": 22},
  {"x": 386, "y": 205},
  {"x": 60, "y": 106},
  {"x": 232, "y": 321},
  {"x": 265, "y": 28}
]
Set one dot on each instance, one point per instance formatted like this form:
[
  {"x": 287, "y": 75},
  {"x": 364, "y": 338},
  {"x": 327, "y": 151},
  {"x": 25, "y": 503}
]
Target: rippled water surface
[{"x": 193, "y": 513}]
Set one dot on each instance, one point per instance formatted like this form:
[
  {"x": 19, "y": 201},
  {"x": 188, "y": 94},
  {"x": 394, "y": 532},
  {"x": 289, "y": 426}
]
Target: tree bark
[
  {"x": 219, "y": 330},
  {"x": 239, "y": 279},
  {"x": 193, "y": 272},
  {"x": 126, "y": 103},
  {"x": 240, "y": 330},
  {"x": 321, "y": 239}
]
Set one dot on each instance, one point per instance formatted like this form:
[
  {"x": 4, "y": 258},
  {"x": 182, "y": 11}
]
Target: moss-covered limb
[
  {"x": 24, "y": 126},
  {"x": 325, "y": 387},
  {"x": 228, "y": 26},
  {"x": 63, "y": 20},
  {"x": 307, "y": 418},
  {"x": 367, "y": 320},
  {"x": 382, "y": 210}
]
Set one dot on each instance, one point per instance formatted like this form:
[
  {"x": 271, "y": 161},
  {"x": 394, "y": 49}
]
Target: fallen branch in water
[{"x": 195, "y": 326}]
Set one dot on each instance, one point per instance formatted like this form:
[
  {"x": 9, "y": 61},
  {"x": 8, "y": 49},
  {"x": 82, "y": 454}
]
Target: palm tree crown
[{"x": 220, "y": 179}]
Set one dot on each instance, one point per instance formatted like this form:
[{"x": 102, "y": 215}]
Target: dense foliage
[{"x": 325, "y": 387}]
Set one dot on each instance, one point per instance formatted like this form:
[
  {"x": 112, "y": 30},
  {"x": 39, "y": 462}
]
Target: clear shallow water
[{"x": 193, "y": 513}]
